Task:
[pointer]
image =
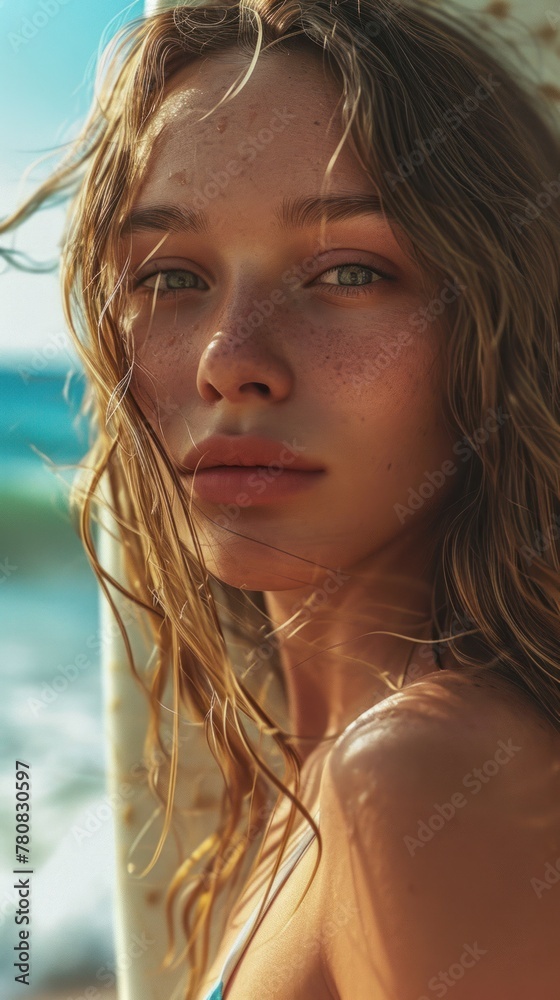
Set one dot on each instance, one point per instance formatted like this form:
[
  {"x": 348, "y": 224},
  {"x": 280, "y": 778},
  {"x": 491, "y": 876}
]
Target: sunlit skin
[{"x": 306, "y": 374}]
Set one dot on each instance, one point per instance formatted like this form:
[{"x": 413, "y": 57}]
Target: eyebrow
[{"x": 292, "y": 213}]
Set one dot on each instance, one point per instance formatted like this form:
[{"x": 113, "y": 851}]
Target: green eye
[
  {"x": 167, "y": 282},
  {"x": 179, "y": 279}
]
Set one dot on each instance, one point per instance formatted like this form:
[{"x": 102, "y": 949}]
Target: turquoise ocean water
[{"x": 50, "y": 710}]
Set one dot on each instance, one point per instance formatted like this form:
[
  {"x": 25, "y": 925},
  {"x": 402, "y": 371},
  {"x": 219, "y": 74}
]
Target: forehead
[{"x": 283, "y": 123}]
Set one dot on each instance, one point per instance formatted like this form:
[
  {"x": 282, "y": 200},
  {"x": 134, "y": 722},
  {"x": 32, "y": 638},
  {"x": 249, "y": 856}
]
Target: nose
[{"x": 243, "y": 360}]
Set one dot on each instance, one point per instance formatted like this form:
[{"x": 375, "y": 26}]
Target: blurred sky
[{"x": 48, "y": 50}]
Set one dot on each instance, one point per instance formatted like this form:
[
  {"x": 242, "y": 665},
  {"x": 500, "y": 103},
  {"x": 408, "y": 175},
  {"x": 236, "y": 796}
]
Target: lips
[
  {"x": 247, "y": 471},
  {"x": 251, "y": 486},
  {"x": 243, "y": 450}
]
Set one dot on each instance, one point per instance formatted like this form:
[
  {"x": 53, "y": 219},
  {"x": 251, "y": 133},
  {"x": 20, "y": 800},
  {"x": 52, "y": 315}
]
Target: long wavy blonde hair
[{"x": 482, "y": 193}]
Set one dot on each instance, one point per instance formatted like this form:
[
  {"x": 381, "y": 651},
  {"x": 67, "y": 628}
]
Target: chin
[{"x": 252, "y": 565}]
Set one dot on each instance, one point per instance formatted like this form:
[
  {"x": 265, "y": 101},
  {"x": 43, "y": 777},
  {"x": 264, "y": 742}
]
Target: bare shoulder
[
  {"x": 450, "y": 714},
  {"x": 440, "y": 814}
]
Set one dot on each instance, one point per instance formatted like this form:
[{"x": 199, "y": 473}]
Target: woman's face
[{"x": 282, "y": 330}]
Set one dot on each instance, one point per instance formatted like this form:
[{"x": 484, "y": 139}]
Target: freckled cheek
[
  {"x": 161, "y": 375},
  {"x": 384, "y": 362},
  {"x": 390, "y": 393},
  {"x": 416, "y": 435}
]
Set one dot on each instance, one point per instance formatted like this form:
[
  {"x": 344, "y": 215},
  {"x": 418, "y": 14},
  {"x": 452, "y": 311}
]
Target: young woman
[{"x": 313, "y": 272}]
